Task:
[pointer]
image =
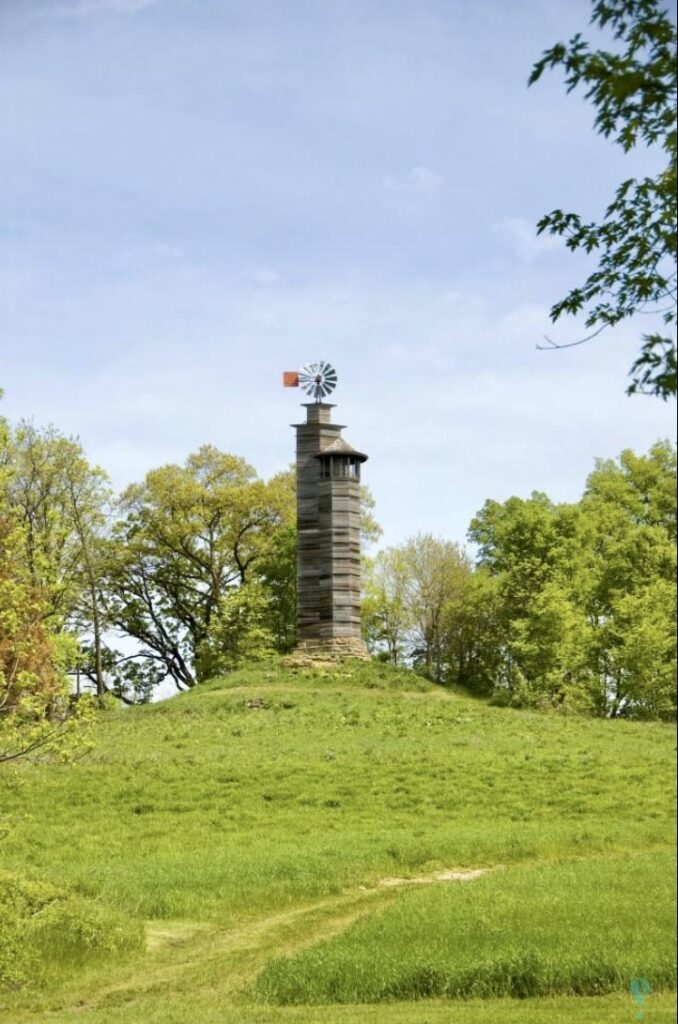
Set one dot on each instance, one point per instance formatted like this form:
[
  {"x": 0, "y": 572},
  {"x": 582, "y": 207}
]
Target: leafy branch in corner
[{"x": 634, "y": 93}]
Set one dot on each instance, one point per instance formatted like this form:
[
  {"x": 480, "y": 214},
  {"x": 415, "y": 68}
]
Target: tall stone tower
[{"x": 328, "y": 537}]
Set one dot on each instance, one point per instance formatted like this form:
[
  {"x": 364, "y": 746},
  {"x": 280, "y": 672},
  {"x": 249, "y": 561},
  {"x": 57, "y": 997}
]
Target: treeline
[
  {"x": 182, "y": 577},
  {"x": 570, "y": 606},
  {"x": 192, "y": 572}
]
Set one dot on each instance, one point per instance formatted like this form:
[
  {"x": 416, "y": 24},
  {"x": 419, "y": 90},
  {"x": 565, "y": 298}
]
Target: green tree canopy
[
  {"x": 186, "y": 537},
  {"x": 35, "y": 653},
  {"x": 585, "y": 616},
  {"x": 633, "y": 90},
  {"x": 408, "y": 591}
]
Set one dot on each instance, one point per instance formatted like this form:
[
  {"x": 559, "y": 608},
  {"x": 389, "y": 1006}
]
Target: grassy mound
[
  {"x": 581, "y": 927},
  {"x": 350, "y": 674},
  {"x": 286, "y": 785},
  {"x": 46, "y": 929},
  {"x": 282, "y": 784}
]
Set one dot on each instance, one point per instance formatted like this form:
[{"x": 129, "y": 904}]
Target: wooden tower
[{"x": 328, "y": 537}]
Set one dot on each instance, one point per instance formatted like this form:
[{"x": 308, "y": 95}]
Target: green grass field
[
  {"x": 247, "y": 826},
  {"x": 569, "y": 927}
]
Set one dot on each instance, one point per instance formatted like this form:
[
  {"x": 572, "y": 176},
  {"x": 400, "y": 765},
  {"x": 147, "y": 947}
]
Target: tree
[
  {"x": 409, "y": 590},
  {"x": 62, "y": 503},
  {"x": 35, "y": 710},
  {"x": 639, "y": 652},
  {"x": 277, "y": 571},
  {"x": 585, "y": 593},
  {"x": 370, "y": 530},
  {"x": 242, "y": 630},
  {"x": 33, "y": 687},
  {"x": 527, "y": 548},
  {"x": 640, "y": 487},
  {"x": 438, "y": 572},
  {"x": 188, "y": 535},
  {"x": 385, "y": 610},
  {"x": 629, "y": 507},
  {"x": 474, "y": 642},
  {"x": 634, "y": 92}
]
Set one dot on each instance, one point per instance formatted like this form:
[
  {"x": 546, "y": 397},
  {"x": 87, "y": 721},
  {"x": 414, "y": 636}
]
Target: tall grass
[
  {"x": 45, "y": 929},
  {"x": 581, "y": 927},
  {"x": 280, "y": 785}
]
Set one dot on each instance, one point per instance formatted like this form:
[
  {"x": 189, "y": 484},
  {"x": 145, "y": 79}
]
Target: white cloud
[
  {"x": 418, "y": 179},
  {"x": 522, "y": 235}
]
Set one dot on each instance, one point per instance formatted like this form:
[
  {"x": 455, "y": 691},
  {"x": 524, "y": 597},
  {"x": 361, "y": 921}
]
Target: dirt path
[
  {"x": 185, "y": 954},
  {"x": 450, "y": 875}
]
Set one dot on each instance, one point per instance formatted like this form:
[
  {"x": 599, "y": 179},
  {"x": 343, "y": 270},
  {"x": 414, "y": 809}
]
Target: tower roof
[{"x": 341, "y": 447}]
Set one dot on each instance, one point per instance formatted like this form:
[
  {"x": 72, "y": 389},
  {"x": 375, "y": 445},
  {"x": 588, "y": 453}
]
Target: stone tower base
[{"x": 333, "y": 648}]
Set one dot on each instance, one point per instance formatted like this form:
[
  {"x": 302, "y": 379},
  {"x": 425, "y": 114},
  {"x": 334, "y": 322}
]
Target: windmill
[{"x": 317, "y": 379}]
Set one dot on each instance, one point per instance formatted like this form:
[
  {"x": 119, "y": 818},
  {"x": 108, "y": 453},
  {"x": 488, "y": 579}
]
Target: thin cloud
[
  {"x": 523, "y": 237},
  {"x": 418, "y": 179}
]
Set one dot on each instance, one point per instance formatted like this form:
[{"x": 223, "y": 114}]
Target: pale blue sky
[{"x": 199, "y": 194}]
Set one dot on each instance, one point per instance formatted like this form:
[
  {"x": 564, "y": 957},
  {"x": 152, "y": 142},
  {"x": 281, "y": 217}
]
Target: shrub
[{"x": 46, "y": 928}]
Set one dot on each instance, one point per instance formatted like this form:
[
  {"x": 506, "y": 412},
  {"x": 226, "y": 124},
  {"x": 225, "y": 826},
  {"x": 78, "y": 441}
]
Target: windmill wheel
[{"x": 318, "y": 379}]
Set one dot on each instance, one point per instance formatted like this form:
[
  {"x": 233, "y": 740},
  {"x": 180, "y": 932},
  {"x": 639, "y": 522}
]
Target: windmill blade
[{"x": 318, "y": 379}]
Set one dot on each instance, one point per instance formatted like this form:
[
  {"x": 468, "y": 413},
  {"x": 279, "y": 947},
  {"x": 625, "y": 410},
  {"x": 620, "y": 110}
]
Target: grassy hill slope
[{"x": 259, "y": 813}]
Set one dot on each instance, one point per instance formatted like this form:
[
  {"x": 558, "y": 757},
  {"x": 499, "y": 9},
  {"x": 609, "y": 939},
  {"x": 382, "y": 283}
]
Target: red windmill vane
[{"x": 317, "y": 379}]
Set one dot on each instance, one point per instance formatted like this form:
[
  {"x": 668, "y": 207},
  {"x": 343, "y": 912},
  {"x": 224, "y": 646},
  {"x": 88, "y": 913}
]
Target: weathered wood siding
[{"x": 328, "y": 526}]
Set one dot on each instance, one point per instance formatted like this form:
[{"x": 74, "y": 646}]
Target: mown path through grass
[
  {"x": 190, "y": 959},
  {"x": 243, "y": 949},
  {"x": 208, "y": 966},
  {"x": 182, "y": 948}
]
